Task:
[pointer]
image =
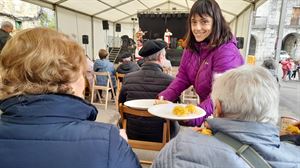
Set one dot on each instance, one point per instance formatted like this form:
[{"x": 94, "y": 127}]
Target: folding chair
[
  {"x": 139, "y": 144},
  {"x": 190, "y": 95},
  {"x": 109, "y": 87}
]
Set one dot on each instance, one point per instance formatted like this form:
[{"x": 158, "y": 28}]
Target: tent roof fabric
[{"x": 121, "y": 11}]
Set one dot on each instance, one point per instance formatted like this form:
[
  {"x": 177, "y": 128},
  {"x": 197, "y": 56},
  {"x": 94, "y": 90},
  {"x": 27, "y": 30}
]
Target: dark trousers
[
  {"x": 148, "y": 129},
  {"x": 112, "y": 96}
]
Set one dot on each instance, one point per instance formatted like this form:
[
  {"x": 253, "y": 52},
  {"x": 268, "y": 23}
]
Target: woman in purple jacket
[{"x": 210, "y": 51}]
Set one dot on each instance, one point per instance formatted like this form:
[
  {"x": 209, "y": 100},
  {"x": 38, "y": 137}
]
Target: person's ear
[
  {"x": 218, "y": 109},
  {"x": 160, "y": 58}
]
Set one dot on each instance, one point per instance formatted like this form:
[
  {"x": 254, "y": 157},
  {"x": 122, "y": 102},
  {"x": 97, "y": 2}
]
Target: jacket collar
[
  {"x": 247, "y": 132},
  {"x": 203, "y": 46},
  {"x": 151, "y": 66},
  {"x": 46, "y": 108},
  {"x": 3, "y": 31}
]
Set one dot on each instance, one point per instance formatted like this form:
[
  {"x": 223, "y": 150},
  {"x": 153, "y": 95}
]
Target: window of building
[
  {"x": 18, "y": 24},
  {"x": 295, "y": 16}
]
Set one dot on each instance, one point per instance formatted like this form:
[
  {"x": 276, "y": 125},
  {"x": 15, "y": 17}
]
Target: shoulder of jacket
[
  {"x": 167, "y": 76},
  {"x": 97, "y": 127},
  {"x": 229, "y": 45}
]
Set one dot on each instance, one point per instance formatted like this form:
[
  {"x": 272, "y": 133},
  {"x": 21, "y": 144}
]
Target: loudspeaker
[
  {"x": 105, "y": 25},
  {"x": 85, "y": 39},
  {"x": 118, "y": 27},
  {"x": 240, "y": 42}
]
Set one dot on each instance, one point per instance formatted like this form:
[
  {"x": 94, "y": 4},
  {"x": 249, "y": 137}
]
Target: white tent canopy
[{"x": 86, "y": 15}]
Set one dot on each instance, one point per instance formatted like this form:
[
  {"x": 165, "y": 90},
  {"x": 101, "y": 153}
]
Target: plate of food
[
  {"x": 177, "y": 111},
  {"x": 144, "y": 104}
]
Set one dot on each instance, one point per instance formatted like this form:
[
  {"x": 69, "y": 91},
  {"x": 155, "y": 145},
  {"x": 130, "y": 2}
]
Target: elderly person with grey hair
[
  {"x": 269, "y": 64},
  {"x": 6, "y": 28},
  {"x": 146, "y": 84},
  {"x": 127, "y": 65},
  {"x": 246, "y": 103}
]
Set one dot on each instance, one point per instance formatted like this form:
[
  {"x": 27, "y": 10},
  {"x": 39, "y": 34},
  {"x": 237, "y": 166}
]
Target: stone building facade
[
  {"x": 21, "y": 14},
  {"x": 265, "y": 27}
]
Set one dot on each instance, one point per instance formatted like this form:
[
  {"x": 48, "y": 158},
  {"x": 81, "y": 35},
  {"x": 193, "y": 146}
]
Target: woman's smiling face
[{"x": 201, "y": 26}]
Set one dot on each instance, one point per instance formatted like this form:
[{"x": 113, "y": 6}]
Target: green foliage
[{"x": 47, "y": 20}]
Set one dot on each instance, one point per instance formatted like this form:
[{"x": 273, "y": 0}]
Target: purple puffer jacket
[{"x": 197, "y": 69}]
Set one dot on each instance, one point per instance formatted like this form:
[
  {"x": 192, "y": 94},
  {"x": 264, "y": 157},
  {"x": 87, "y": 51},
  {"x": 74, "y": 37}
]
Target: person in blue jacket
[
  {"x": 104, "y": 65},
  {"x": 45, "y": 122}
]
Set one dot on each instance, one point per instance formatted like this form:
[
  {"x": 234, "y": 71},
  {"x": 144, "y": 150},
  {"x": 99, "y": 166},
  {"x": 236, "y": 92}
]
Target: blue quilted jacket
[{"x": 58, "y": 131}]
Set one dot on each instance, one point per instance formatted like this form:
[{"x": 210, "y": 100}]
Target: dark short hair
[
  {"x": 221, "y": 32},
  {"x": 269, "y": 63},
  {"x": 102, "y": 53}
]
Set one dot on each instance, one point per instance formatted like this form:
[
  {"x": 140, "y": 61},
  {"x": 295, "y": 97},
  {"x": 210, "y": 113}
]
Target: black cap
[
  {"x": 151, "y": 47},
  {"x": 126, "y": 55}
]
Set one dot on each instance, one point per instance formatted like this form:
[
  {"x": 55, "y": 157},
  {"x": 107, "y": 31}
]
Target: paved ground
[{"x": 290, "y": 98}]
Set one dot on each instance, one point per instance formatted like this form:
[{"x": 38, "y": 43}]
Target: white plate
[
  {"x": 165, "y": 111},
  {"x": 141, "y": 104}
]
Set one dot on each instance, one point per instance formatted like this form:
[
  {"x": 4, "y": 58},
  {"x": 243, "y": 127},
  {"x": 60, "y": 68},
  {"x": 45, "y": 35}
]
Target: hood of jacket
[
  {"x": 46, "y": 108},
  {"x": 247, "y": 132},
  {"x": 126, "y": 66}
]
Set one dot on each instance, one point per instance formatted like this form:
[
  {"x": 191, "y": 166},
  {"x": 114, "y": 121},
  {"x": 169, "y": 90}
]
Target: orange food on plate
[
  {"x": 182, "y": 111},
  {"x": 191, "y": 108}
]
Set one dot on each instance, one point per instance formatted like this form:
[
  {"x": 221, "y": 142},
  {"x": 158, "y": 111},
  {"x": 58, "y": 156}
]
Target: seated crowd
[{"x": 47, "y": 123}]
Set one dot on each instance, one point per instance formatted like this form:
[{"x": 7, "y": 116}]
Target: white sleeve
[{"x": 216, "y": 75}]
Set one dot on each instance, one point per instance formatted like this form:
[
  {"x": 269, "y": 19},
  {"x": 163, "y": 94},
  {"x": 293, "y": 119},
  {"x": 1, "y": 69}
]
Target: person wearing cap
[
  {"x": 127, "y": 65},
  {"x": 146, "y": 84},
  {"x": 6, "y": 28}
]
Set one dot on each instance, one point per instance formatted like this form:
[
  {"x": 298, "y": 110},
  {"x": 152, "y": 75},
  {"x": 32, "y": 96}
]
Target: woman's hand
[{"x": 197, "y": 129}]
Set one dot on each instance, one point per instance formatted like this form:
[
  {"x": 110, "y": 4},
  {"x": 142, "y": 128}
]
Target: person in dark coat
[
  {"x": 127, "y": 65},
  {"x": 6, "y": 28},
  {"x": 45, "y": 122},
  {"x": 146, "y": 84}
]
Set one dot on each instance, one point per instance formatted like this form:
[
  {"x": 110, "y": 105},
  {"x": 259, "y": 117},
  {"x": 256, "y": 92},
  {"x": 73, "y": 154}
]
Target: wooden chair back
[
  {"x": 139, "y": 144},
  {"x": 119, "y": 77}
]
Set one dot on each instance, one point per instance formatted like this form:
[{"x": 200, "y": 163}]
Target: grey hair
[
  {"x": 6, "y": 24},
  {"x": 269, "y": 63},
  {"x": 126, "y": 59},
  {"x": 155, "y": 56},
  {"x": 248, "y": 93}
]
